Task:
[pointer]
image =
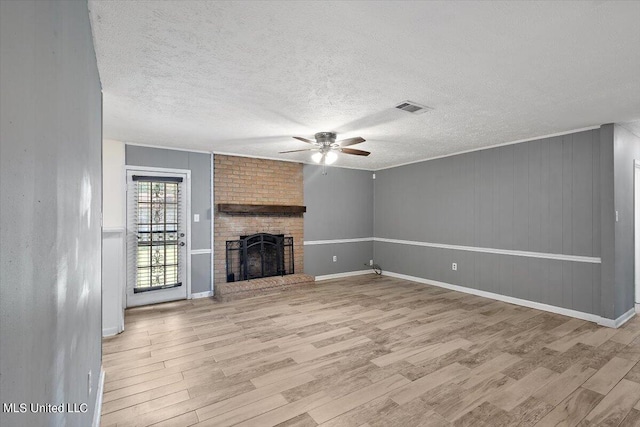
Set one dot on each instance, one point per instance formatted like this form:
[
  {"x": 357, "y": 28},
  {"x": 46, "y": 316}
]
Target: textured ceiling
[
  {"x": 243, "y": 77},
  {"x": 633, "y": 127}
]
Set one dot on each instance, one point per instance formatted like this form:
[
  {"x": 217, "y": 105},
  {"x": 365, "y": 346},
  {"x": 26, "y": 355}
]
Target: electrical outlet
[
  {"x": 89, "y": 383},
  {"x": 454, "y": 266},
  {"x": 335, "y": 258},
  {"x": 196, "y": 218},
  {"x": 370, "y": 262}
]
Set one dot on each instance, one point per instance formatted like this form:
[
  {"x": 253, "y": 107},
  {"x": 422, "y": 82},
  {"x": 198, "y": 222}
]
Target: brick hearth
[{"x": 250, "y": 288}]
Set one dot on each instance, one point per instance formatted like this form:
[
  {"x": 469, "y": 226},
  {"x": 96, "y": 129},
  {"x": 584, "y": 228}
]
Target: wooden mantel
[{"x": 267, "y": 209}]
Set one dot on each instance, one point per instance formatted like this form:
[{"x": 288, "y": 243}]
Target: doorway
[{"x": 157, "y": 235}]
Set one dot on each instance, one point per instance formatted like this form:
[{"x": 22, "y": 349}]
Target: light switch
[{"x": 196, "y": 218}]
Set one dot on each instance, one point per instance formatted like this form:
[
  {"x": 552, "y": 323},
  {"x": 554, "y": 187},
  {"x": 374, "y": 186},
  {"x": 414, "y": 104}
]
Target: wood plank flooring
[{"x": 368, "y": 351}]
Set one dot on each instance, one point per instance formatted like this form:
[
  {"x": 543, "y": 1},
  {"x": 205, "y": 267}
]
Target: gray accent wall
[
  {"x": 200, "y": 166},
  {"x": 339, "y": 206},
  {"x": 355, "y": 256},
  {"x": 538, "y": 196},
  {"x": 50, "y": 211},
  {"x": 626, "y": 148},
  {"x": 607, "y": 222}
]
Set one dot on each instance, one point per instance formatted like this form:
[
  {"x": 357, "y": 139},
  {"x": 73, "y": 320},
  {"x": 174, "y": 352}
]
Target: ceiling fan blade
[
  {"x": 350, "y": 141},
  {"x": 308, "y": 141},
  {"x": 295, "y": 151},
  {"x": 354, "y": 151}
]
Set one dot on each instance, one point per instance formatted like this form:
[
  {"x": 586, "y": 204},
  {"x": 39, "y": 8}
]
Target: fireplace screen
[{"x": 259, "y": 255}]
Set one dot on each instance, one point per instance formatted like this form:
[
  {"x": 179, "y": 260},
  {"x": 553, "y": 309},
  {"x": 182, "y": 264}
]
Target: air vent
[{"x": 412, "y": 107}]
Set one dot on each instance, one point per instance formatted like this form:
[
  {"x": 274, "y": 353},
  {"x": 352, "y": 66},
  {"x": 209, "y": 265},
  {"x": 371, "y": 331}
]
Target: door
[{"x": 157, "y": 246}]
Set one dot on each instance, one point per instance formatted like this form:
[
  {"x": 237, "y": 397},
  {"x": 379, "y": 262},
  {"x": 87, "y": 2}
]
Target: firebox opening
[{"x": 259, "y": 255}]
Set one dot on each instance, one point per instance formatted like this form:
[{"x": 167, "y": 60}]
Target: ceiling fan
[{"x": 327, "y": 147}]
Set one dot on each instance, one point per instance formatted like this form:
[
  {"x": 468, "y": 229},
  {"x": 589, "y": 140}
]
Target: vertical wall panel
[
  {"x": 485, "y": 199},
  {"x": 582, "y": 287},
  {"x": 465, "y": 275},
  {"x": 505, "y": 184},
  {"x": 545, "y": 196},
  {"x": 554, "y": 189},
  {"x": 582, "y": 194},
  {"x": 607, "y": 222},
  {"x": 467, "y": 195},
  {"x": 535, "y": 196},
  {"x": 505, "y": 275},
  {"x": 538, "y": 280},
  {"x": 489, "y": 269},
  {"x": 200, "y": 165},
  {"x": 595, "y": 286},
  {"x": 555, "y": 284},
  {"x": 201, "y": 272},
  {"x": 521, "y": 197},
  {"x": 595, "y": 186},
  {"x": 416, "y": 185},
  {"x": 567, "y": 194},
  {"x": 521, "y": 278},
  {"x": 437, "y": 194},
  {"x": 567, "y": 285}
]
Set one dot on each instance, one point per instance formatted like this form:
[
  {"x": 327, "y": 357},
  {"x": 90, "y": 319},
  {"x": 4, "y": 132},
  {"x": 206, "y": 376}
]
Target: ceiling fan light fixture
[
  {"x": 330, "y": 158},
  {"x": 327, "y": 148}
]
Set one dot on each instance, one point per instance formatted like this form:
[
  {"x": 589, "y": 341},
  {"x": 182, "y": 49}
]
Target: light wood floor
[{"x": 368, "y": 351}]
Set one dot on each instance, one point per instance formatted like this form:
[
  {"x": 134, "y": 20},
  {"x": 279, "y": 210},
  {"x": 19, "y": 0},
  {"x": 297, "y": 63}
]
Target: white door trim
[
  {"x": 211, "y": 237},
  {"x": 159, "y": 170},
  {"x": 187, "y": 201},
  {"x": 636, "y": 216}
]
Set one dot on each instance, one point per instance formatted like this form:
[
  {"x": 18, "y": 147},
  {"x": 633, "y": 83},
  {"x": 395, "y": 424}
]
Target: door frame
[
  {"x": 187, "y": 200},
  {"x": 636, "y": 224}
]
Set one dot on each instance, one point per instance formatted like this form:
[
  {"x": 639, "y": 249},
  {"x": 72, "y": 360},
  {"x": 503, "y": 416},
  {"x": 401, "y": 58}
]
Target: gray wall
[
  {"x": 539, "y": 196},
  {"x": 626, "y": 147},
  {"x": 200, "y": 166},
  {"x": 339, "y": 206},
  {"x": 50, "y": 209},
  {"x": 607, "y": 223}
]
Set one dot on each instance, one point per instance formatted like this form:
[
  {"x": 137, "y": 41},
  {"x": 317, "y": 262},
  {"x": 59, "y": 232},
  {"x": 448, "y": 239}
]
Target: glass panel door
[
  {"x": 156, "y": 241},
  {"x": 158, "y": 232}
]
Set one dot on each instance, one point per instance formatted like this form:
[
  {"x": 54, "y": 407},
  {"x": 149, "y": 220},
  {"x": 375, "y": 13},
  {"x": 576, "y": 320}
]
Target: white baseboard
[
  {"x": 97, "y": 412},
  {"x": 620, "y": 320},
  {"x": 202, "y": 294},
  {"x": 637, "y": 307},
  {"x": 109, "y": 332},
  {"x": 611, "y": 323},
  {"x": 346, "y": 274}
]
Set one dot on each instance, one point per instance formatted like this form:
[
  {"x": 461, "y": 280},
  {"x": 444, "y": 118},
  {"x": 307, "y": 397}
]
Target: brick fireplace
[{"x": 242, "y": 180}]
